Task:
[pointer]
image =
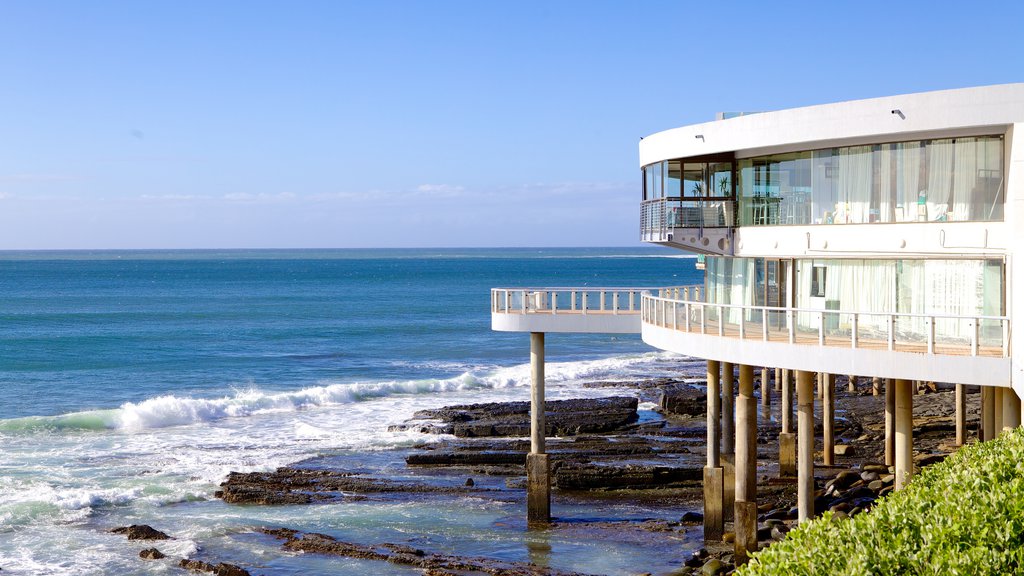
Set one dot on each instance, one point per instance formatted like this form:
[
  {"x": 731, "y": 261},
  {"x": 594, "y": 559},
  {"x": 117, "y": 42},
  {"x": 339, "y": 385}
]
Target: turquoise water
[{"x": 134, "y": 381}]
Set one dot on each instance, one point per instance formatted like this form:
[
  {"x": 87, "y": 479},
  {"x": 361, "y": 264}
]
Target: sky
[{"x": 304, "y": 124}]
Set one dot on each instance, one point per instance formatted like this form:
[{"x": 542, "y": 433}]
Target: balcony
[
  {"x": 945, "y": 348},
  {"x": 568, "y": 310},
  {"x": 699, "y": 225}
]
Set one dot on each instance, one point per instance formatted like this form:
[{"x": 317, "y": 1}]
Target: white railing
[
  {"x": 577, "y": 300},
  {"x": 926, "y": 333}
]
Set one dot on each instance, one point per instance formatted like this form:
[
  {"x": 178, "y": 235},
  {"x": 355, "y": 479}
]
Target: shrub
[{"x": 964, "y": 515}]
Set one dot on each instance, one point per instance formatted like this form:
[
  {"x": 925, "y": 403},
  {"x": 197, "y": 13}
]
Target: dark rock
[
  {"x": 151, "y": 554},
  {"x": 288, "y": 485},
  {"x": 877, "y": 468},
  {"x": 589, "y": 476},
  {"x": 779, "y": 532},
  {"x": 141, "y": 532},
  {"x": 469, "y": 482},
  {"x": 845, "y": 479},
  {"x": 869, "y": 476},
  {"x": 682, "y": 399},
  {"x": 713, "y": 567},
  {"x": 447, "y": 458},
  {"x": 876, "y": 486},
  {"x": 692, "y": 518}
]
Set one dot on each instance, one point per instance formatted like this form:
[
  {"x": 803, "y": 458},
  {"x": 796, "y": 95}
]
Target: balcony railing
[
  {"x": 922, "y": 333},
  {"x": 579, "y": 300},
  {"x": 658, "y": 217}
]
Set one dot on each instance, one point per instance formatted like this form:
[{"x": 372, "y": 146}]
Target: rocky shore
[{"x": 601, "y": 448}]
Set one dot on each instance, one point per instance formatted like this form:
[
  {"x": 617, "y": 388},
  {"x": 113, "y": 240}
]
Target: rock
[
  {"x": 484, "y": 458},
  {"x": 469, "y": 482},
  {"x": 288, "y": 485},
  {"x": 869, "y": 476},
  {"x": 589, "y": 476},
  {"x": 877, "y": 468},
  {"x": 682, "y": 399},
  {"x": 729, "y": 537},
  {"x": 151, "y": 554},
  {"x": 930, "y": 459},
  {"x": 222, "y": 569},
  {"x": 692, "y": 517},
  {"x": 887, "y": 478},
  {"x": 713, "y": 567},
  {"x": 844, "y": 450},
  {"x": 764, "y": 533},
  {"x": 779, "y": 532},
  {"x": 141, "y": 532},
  {"x": 845, "y": 479},
  {"x": 876, "y": 486}
]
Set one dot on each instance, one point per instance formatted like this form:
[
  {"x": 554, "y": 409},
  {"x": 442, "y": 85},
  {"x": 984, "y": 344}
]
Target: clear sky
[{"x": 216, "y": 124}]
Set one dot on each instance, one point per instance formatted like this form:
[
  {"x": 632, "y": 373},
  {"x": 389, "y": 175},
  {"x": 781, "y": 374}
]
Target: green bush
[{"x": 964, "y": 515}]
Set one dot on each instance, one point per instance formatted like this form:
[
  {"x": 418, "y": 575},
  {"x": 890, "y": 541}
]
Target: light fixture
[
  {"x": 700, "y": 137},
  {"x": 899, "y": 113}
]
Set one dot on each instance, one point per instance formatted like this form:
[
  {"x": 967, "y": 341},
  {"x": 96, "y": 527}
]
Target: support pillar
[
  {"x": 766, "y": 389},
  {"x": 538, "y": 469},
  {"x": 745, "y": 507},
  {"x": 961, "y": 415},
  {"x": 821, "y": 385},
  {"x": 904, "y": 432},
  {"x": 988, "y": 413},
  {"x": 997, "y": 427},
  {"x": 851, "y": 383},
  {"x": 876, "y": 386},
  {"x": 805, "y": 444},
  {"x": 787, "y": 440},
  {"x": 890, "y": 423},
  {"x": 728, "y": 438},
  {"x": 714, "y": 480},
  {"x": 778, "y": 379},
  {"x": 828, "y": 417},
  {"x": 1011, "y": 409}
]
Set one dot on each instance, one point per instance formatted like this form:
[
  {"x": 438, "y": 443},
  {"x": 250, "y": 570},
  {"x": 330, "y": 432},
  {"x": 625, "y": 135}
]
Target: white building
[{"x": 875, "y": 238}]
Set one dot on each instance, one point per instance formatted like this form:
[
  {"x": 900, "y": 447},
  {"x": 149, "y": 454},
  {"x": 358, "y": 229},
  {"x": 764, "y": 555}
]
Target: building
[{"x": 874, "y": 237}]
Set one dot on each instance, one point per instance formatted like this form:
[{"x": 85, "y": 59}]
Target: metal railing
[
  {"x": 657, "y": 217},
  {"x": 573, "y": 300},
  {"x": 926, "y": 333}
]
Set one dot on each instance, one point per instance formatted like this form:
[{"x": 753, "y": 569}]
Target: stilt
[
  {"x": 805, "y": 443},
  {"x": 997, "y": 427},
  {"x": 728, "y": 413},
  {"x": 828, "y": 417},
  {"x": 714, "y": 522},
  {"x": 538, "y": 477},
  {"x": 1011, "y": 409},
  {"x": 821, "y": 385},
  {"x": 961, "y": 415},
  {"x": 745, "y": 507},
  {"x": 890, "y": 423},
  {"x": 988, "y": 413},
  {"x": 766, "y": 389},
  {"x": 904, "y": 432},
  {"x": 876, "y": 386},
  {"x": 851, "y": 383},
  {"x": 778, "y": 379},
  {"x": 787, "y": 440}
]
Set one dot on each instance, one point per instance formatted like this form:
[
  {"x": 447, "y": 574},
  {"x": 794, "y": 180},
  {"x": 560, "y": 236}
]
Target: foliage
[{"x": 964, "y": 515}]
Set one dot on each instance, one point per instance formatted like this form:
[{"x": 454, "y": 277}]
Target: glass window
[
  {"x": 674, "y": 179},
  {"x": 694, "y": 184}
]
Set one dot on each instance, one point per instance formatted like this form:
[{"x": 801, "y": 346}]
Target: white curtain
[
  {"x": 940, "y": 180},
  {"x": 855, "y": 182},
  {"x": 908, "y": 166}
]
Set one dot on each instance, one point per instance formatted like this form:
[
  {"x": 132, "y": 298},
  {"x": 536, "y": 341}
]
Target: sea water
[{"x": 134, "y": 382}]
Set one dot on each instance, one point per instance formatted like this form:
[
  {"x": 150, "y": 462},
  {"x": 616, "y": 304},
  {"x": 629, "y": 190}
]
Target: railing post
[
  {"x": 526, "y": 296},
  {"x": 764, "y": 325},
  {"x": 615, "y": 302},
  {"x": 583, "y": 301},
  {"x": 891, "y": 325},
  {"x": 721, "y": 320},
  {"x": 631, "y": 293},
  {"x": 1005, "y": 325},
  {"x": 743, "y": 324},
  {"x": 821, "y": 330},
  {"x": 603, "y": 307},
  {"x": 930, "y": 326},
  {"x": 703, "y": 319},
  {"x": 974, "y": 336},
  {"x": 508, "y": 301},
  {"x": 854, "y": 322},
  {"x": 675, "y": 316},
  {"x": 686, "y": 310},
  {"x": 572, "y": 300},
  {"x": 791, "y": 324},
  {"x": 554, "y": 302}
]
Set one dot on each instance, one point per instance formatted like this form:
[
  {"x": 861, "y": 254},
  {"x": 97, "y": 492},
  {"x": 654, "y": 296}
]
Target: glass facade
[
  {"x": 688, "y": 194},
  {"x": 937, "y": 180}
]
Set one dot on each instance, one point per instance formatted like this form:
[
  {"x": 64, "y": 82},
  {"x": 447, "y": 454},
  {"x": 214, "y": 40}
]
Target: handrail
[
  {"x": 568, "y": 300},
  {"x": 975, "y": 335}
]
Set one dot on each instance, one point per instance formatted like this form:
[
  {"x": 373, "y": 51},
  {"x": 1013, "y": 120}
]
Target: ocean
[{"x": 134, "y": 381}]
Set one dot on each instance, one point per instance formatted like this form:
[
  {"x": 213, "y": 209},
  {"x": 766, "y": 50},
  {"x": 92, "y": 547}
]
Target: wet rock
[
  {"x": 221, "y": 569},
  {"x": 869, "y": 476},
  {"x": 682, "y": 399},
  {"x": 151, "y": 554},
  {"x": 713, "y": 567},
  {"x": 466, "y": 458},
  {"x": 779, "y": 532},
  {"x": 692, "y": 518},
  {"x": 562, "y": 418},
  {"x": 877, "y": 468},
  {"x": 141, "y": 532},
  {"x": 844, "y": 450},
  {"x": 590, "y": 476},
  {"x": 469, "y": 482},
  {"x": 288, "y": 485},
  {"x": 876, "y": 486}
]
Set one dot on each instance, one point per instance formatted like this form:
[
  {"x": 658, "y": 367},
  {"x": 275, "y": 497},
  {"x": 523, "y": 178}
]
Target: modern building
[{"x": 874, "y": 237}]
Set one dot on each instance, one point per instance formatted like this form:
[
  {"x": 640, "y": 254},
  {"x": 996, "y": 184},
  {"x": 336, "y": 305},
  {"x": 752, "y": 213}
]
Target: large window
[{"x": 940, "y": 180}]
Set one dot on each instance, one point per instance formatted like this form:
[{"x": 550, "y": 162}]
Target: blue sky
[{"x": 358, "y": 124}]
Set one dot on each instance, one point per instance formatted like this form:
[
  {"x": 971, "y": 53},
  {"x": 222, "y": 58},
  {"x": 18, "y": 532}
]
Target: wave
[{"x": 169, "y": 410}]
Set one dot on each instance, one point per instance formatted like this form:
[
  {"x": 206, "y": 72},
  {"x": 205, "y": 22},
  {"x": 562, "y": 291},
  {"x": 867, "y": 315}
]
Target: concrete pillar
[
  {"x": 876, "y": 386},
  {"x": 904, "y": 432},
  {"x": 988, "y": 413},
  {"x": 538, "y": 468},
  {"x": 766, "y": 389},
  {"x": 714, "y": 480},
  {"x": 997, "y": 427},
  {"x": 778, "y": 379},
  {"x": 961, "y": 415},
  {"x": 828, "y": 417},
  {"x": 787, "y": 440},
  {"x": 1010, "y": 409},
  {"x": 805, "y": 444},
  {"x": 821, "y": 385},
  {"x": 728, "y": 413},
  {"x": 851, "y": 383},
  {"x": 890, "y": 423},
  {"x": 745, "y": 506}
]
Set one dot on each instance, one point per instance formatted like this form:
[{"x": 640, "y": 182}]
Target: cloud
[
  {"x": 29, "y": 177},
  {"x": 261, "y": 197},
  {"x": 444, "y": 190}
]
